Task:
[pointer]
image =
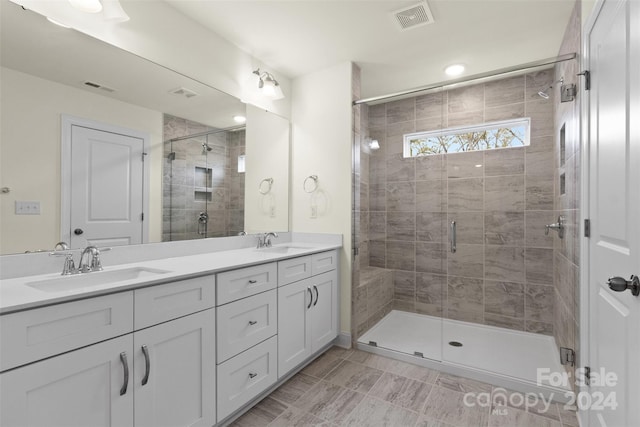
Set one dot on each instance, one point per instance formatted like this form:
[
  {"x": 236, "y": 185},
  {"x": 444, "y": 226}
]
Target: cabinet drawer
[
  {"x": 32, "y": 335},
  {"x": 244, "y": 282},
  {"x": 294, "y": 269},
  {"x": 157, "y": 304},
  {"x": 323, "y": 262},
  {"x": 245, "y": 376},
  {"x": 243, "y": 324}
]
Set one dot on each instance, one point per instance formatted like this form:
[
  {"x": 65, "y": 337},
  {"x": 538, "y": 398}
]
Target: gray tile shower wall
[
  {"x": 501, "y": 274},
  {"x": 195, "y": 183}
]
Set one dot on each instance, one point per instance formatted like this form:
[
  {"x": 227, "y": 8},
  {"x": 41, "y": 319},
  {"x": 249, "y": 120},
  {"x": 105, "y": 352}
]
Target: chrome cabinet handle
[
  {"x": 125, "y": 366},
  {"x": 315, "y": 288},
  {"x": 310, "y": 297},
  {"x": 253, "y": 322},
  {"x": 252, "y": 374},
  {"x": 452, "y": 237},
  {"x": 147, "y": 365}
]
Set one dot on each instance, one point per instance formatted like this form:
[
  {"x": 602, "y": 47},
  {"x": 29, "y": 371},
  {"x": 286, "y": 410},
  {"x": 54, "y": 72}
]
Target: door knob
[
  {"x": 619, "y": 284},
  {"x": 78, "y": 231}
]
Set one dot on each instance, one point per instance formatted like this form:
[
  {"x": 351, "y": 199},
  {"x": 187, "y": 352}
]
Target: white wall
[
  {"x": 163, "y": 35},
  {"x": 30, "y": 154},
  {"x": 267, "y": 149},
  {"x": 321, "y": 145}
]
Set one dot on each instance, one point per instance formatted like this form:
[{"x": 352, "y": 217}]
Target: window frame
[{"x": 526, "y": 121}]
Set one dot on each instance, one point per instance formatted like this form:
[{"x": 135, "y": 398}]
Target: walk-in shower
[
  {"x": 454, "y": 269},
  {"x": 203, "y": 194}
]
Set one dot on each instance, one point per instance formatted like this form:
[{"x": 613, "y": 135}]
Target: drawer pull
[
  {"x": 125, "y": 366},
  {"x": 253, "y": 322},
  {"x": 252, "y": 375},
  {"x": 147, "y": 365},
  {"x": 315, "y": 288},
  {"x": 252, "y": 281},
  {"x": 310, "y": 297}
]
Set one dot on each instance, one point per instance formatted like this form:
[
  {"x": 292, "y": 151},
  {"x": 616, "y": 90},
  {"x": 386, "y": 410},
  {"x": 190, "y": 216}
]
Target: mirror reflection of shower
[{"x": 203, "y": 190}]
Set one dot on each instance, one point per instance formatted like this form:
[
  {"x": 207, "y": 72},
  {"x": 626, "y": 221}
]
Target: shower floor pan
[{"x": 507, "y": 358}]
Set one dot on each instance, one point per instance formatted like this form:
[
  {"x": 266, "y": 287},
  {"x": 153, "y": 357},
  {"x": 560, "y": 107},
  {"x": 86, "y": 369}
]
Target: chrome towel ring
[
  {"x": 305, "y": 187},
  {"x": 265, "y": 189}
]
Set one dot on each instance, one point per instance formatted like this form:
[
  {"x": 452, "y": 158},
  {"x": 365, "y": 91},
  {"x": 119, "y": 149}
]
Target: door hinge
[
  {"x": 143, "y": 154},
  {"x": 172, "y": 155},
  {"x": 587, "y": 228},
  {"x": 587, "y": 375},
  {"x": 587, "y": 79},
  {"x": 373, "y": 343},
  {"x": 142, "y": 216},
  {"x": 418, "y": 353},
  {"x": 356, "y": 251},
  {"x": 567, "y": 356}
]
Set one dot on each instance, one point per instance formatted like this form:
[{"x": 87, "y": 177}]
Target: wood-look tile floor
[{"x": 356, "y": 388}]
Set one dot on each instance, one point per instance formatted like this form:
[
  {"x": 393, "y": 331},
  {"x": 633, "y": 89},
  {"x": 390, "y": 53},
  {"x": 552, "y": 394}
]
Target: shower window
[{"x": 488, "y": 136}]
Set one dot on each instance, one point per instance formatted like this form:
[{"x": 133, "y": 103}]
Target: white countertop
[{"x": 17, "y": 295}]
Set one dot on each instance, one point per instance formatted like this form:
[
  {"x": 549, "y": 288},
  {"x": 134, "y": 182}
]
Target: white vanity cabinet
[
  {"x": 246, "y": 336},
  {"x": 307, "y": 310},
  {"x": 85, "y": 387},
  {"x": 101, "y": 384},
  {"x": 174, "y": 372}
]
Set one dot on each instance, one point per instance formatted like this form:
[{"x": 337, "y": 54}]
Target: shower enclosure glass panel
[
  {"x": 203, "y": 190},
  {"x": 462, "y": 233}
]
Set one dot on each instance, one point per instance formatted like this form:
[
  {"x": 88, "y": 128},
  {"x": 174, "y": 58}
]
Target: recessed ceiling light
[
  {"x": 454, "y": 70},
  {"x": 239, "y": 119},
  {"x": 59, "y": 24},
  {"x": 88, "y": 6}
]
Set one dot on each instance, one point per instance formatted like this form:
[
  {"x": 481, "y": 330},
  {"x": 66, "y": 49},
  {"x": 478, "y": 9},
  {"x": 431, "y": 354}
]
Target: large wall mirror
[{"x": 207, "y": 173}]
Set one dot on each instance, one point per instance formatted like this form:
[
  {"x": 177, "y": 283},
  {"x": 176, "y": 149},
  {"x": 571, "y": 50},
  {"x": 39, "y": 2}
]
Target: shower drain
[{"x": 455, "y": 344}]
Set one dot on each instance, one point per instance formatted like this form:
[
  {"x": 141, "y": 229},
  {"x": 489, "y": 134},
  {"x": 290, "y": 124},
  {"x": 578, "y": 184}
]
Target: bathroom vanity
[{"x": 192, "y": 340}]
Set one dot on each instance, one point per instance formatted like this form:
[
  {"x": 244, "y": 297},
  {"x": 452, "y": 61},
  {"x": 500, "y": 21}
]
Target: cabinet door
[
  {"x": 324, "y": 310},
  {"x": 180, "y": 388},
  {"x": 81, "y": 388},
  {"x": 294, "y": 329}
]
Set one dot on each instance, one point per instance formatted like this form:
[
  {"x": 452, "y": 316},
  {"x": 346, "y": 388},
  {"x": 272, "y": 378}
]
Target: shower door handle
[{"x": 452, "y": 237}]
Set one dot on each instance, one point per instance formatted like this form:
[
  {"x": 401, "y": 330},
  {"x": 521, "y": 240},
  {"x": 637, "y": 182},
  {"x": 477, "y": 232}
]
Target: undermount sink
[
  {"x": 95, "y": 278},
  {"x": 282, "y": 249}
]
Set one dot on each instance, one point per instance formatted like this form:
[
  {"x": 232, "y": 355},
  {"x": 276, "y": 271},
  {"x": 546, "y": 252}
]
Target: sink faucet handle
[{"x": 69, "y": 266}]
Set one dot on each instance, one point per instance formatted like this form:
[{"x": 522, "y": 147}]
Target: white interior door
[
  {"x": 614, "y": 207},
  {"x": 106, "y": 188}
]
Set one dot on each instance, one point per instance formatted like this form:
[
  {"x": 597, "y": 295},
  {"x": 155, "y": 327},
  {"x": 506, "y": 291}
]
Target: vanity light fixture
[
  {"x": 239, "y": 119},
  {"x": 268, "y": 85},
  {"x": 454, "y": 70}
]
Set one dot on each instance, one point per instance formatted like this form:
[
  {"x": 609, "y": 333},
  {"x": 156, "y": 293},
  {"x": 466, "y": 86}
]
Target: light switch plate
[{"x": 27, "y": 207}]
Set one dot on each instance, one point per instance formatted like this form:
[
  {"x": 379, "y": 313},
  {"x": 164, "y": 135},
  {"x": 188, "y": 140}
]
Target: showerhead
[
  {"x": 544, "y": 94},
  {"x": 205, "y": 148}
]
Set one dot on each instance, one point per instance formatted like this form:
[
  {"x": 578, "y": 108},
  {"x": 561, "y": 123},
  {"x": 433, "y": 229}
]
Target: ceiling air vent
[
  {"x": 99, "y": 86},
  {"x": 182, "y": 91},
  {"x": 413, "y": 16}
]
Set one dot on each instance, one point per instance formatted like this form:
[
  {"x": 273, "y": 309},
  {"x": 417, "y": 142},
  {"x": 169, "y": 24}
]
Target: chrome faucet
[
  {"x": 267, "y": 238},
  {"x": 264, "y": 240},
  {"x": 95, "y": 265}
]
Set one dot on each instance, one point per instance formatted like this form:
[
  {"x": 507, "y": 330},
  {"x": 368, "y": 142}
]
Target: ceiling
[{"x": 296, "y": 37}]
